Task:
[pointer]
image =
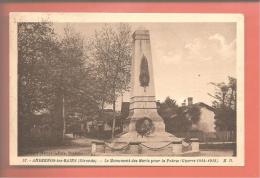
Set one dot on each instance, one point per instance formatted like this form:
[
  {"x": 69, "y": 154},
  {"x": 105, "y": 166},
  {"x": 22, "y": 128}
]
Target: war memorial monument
[{"x": 146, "y": 131}]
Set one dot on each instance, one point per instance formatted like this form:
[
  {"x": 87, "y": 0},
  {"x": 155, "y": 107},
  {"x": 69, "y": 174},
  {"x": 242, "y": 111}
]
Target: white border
[{"x": 16, "y": 17}]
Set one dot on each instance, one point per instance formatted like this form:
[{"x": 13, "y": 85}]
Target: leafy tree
[
  {"x": 225, "y": 104},
  {"x": 193, "y": 113},
  {"x": 38, "y": 48},
  {"x": 68, "y": 73},
  {"x": 181, "y": 123},
  {"x": 53, "y": 76},
  {"x": 175, "y": 117},
  {"x": 178, "y": 119},
  {"x": 144, "y": 77},
  {"x": 225, "y": 119},
  {"x": 171, "y": 103},
  {"x": 75, "y": 83},
  {"x": 225, "y": 94},
  {"x": 168, "y": 109},
  {"x": 111, "y": 53}
]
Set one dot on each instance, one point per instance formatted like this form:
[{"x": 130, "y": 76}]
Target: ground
[
  {"x": 82, "y": 147},
  {"x": 70, "y": 147}
]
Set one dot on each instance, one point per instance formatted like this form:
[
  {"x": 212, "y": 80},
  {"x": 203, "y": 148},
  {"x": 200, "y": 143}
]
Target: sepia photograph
[{"x": 93, "y": 89}]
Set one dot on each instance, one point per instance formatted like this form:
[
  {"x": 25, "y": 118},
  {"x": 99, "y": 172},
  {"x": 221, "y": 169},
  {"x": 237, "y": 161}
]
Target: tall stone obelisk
[
  {"x": 143, "y": 102},
  {"x": 146, "y": 134}
]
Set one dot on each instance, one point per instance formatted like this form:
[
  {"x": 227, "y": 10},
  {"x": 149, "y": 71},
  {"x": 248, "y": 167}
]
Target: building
[
  {"x": 99, "y": 126},
  {"x": 206, "y": 122}
]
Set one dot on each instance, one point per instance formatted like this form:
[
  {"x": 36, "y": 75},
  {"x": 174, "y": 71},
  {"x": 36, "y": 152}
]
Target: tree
[
  {"x": 178, "y": 119},
  {"x": 60, "y": 76},
  {"x": 111, "y": 53},
  {"x": 167, "y": 110},
  {"x": 171, "y": 103},
  {"x": 38, "y": 48},
  {"x": 144, "y": 77},
  {"x": 53, "y": 76},
  {"x": 175, "y": 117},
  {"x": 225, "y": 94},
  {"x": 193, "y": 114},
  {"x": 75, "y": 84},
  {"x": 181, "y": 123},
  {"x": 68, "y": 71},
  {"x": 225, "y": 104}
]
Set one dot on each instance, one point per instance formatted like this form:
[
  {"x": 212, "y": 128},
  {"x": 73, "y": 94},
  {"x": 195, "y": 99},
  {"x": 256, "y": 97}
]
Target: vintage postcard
[{"x": 126, "y": 89}]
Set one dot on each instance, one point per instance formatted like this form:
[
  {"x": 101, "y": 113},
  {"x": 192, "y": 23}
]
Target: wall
[{"x": 207, "y": 121}]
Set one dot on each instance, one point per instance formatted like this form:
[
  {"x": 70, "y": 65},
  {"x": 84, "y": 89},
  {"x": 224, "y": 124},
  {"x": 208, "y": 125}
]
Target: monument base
[
  {"x": 157, "y": 144},
  {"x": 146, "y": 136},
  {"x": 153, "y": 137}
]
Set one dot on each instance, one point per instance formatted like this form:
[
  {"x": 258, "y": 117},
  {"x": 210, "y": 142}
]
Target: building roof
[
  {"x": 201, "y": 104},
  {"x": 125, "y": 108}
]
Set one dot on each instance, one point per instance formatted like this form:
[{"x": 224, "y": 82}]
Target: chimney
[
  {"x": 158, "y": 104},
  {"x": 183, "y": 103},
  {"x": 190, "y": 101}
]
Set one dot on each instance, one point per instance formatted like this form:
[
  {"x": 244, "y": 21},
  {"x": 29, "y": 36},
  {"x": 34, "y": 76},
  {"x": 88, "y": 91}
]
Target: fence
[{"x": 220, "y": 136}]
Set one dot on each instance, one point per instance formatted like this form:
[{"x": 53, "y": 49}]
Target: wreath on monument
[{"x": 144, "y": 126}]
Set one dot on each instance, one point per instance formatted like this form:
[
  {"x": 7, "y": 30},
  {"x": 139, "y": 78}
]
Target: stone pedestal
[
  {"x": 177, "y": 147},
  {"x": 143, "y": 102},
  {"x": 195, "y": 144}
]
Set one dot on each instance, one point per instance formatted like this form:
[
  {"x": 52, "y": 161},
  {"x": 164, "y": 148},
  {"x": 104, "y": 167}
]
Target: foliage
[
  {"x": 225, "y": 104},
  {"x": 57, "y": 75},
  {"x": 193, "y": 114},
  {"x": 225, "y": 119},
  {"x": 52, "y": 77},
  {"x": 170, "y": 102},
  {"x": 74, "y": 75},
  {"x": 225, "y": 94},
  {"x": 180, "y": 123},
  {"x": 144, "y": 77},
  {"x": 111, "y": 55},
  {"x": 38, "y": 49},
  {"x": 175, "y": 118},
  {"x": 168, "y": 108}
]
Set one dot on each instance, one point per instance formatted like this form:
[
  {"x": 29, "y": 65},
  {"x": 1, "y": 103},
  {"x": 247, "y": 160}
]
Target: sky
[{"x": 186, "y": 56}]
